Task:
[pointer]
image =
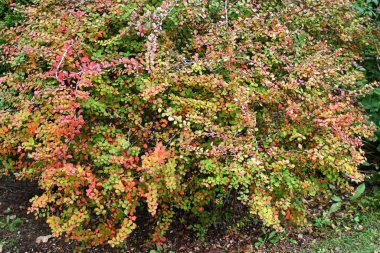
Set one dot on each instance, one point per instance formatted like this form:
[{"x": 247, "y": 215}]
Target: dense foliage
[
  {"x": 9, "y": 16},
  {"x": 122, "y": 107},
  {"x": 371, "y": 66}
]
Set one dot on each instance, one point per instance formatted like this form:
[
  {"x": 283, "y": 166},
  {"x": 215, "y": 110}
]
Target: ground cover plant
[
  {"x": 355, "y": 229},
  {"x": 127, "y": 109}
]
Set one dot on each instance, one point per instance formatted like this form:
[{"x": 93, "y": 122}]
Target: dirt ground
[{"x": 19, "y": 231}]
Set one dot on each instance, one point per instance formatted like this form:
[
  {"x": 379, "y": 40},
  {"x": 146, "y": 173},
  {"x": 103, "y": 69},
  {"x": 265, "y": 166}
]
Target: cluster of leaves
[
  {"x": 119, "y": 108},
  {"x": 10, "y": 224},
  {"x": 9, "y": 15}
]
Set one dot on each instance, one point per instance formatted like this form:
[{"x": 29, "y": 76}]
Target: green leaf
[
  {"x": 376, "y": 91},
  {"x": 358, "y": 192},
  {"x": 335, "y": 207},
  {"x": 271, "y": 235},
  {"x": 275, "y": 240},
  {"x": 257, "y": 244},
  {"x": 366, "y": 163},
  {"x": 336, "y": 199}
]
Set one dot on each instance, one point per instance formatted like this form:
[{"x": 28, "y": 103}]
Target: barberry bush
[{"x": 118, "y": 108}]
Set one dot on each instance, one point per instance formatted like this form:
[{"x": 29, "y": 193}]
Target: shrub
[
  {"x": 371, "y": 66},
  {"x": 180, "y": 107},
  {"x": 8, "y": 15}
]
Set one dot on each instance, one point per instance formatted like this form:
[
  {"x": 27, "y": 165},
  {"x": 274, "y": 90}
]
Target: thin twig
[
  {"x": 61, "y": 61},
  {"x": 226, "y": 12},
  {"x": 171, "y": 139},
  {"x": 226, "y": 20}
]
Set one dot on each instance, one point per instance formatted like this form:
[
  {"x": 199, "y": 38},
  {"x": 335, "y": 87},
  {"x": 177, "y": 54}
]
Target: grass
[{"x": 360, "y": 236}]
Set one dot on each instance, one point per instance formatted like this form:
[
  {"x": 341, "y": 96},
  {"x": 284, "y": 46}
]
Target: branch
[
  {"x": 226, "y": 12},
  {"x": 226, "y": 21},
  {"x": 61, "y": 62}
]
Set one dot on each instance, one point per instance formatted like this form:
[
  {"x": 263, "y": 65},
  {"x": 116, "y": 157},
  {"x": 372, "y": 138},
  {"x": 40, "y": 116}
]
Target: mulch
[{"x": 14, "y": 202}]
